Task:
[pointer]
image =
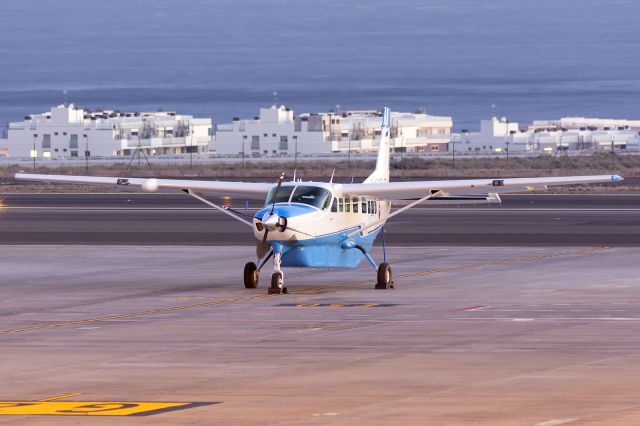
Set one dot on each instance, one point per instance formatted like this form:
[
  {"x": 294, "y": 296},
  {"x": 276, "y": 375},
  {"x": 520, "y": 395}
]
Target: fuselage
[{"x": 315, "y": 224}]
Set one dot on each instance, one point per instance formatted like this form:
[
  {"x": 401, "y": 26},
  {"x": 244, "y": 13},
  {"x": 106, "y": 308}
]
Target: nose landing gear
[{"x": 277, "y": 279}]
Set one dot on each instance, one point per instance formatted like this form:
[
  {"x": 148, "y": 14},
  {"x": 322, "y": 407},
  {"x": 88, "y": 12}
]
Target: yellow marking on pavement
[
  {"x": 53, "y": 398},
  {"x": 298, "y": 291},
  {"x": 89, "y": 408}
]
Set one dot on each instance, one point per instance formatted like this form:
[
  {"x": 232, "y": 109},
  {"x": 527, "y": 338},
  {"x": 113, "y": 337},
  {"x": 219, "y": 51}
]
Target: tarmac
[
  {"x": 159, "y": 332},
  {"x": 517, "y": 335},
  {"x": 175, "y": 219}
]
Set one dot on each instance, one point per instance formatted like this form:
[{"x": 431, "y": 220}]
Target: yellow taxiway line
[{"x": 55, "y": 398}]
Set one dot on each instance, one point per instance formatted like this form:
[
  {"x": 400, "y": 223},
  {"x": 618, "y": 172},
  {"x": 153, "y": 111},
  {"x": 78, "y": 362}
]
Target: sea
[{"x": 525, "y": 60}]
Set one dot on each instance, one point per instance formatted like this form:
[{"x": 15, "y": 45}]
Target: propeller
[{"x": 271, "y": 219}]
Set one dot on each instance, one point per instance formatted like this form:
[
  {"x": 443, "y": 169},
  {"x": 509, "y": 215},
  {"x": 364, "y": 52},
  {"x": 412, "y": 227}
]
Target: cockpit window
[
  {"x": 283, "y": 195},
  {"x": 312, "y": 195}
]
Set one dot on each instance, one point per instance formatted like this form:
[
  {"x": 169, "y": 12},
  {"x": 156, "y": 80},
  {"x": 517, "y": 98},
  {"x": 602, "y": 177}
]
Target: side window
[
  {"x": 375, "y": 207},
  {"x": 328, "y": 204},
  {"x": 347, "y": 204},
  {"x": 355, "y": 204},
  {"x": 334, "y": 206},
  {"x": 364, "y": 207},
  {"x": 340, "y": 205}
]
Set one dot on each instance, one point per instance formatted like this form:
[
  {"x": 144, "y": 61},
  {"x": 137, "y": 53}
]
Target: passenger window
[
  {"x": 347, "y": 204},
  {"x": 355, "y": 204},
  {"x": 334, "y": 206},
  {"x": 364, "y": 207},
  {"x": 340, "y": 205}
]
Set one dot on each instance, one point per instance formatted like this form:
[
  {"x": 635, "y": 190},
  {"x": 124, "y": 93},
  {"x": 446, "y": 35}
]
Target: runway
[
  {"x": 166, "y": 335},
  {"x": 175, "y": 219}
]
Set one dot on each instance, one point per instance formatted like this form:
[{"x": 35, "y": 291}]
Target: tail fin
[{"x": 381, "y": 173}]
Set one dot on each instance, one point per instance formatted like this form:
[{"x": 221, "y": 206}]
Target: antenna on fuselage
[{"x": 332, "y": 174}]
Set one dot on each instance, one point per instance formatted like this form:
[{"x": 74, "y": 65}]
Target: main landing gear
[
  {"x": 251, "y": 275},
  {"x": 385, "y": 278},
  {"x": 252, "y": 271}
]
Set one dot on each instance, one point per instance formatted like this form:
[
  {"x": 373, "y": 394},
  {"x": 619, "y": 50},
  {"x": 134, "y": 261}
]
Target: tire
[
  {"x": 276, "y": 280},
  {"x": 385, "y": 279},
  {"x": 251, "y": 275}
]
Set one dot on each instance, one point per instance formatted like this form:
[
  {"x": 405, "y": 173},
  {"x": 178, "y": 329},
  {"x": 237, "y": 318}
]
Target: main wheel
[
  {"x": 251, "y": 274},
  {"x": 385, "y": 279}
]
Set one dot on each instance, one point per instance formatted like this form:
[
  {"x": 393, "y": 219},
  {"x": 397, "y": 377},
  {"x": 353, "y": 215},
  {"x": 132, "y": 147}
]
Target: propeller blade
[
  {"x": 275, "y": 195},
  {"x": 264, "y": 239},
  {"x": 273, "y": 206}
]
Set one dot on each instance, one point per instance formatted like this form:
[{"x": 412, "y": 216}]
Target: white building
[
  {"x": 277, "y": 131},
  {"x": 567, "y": 134},
  {"x": 495, "y": 136},
  {"x": 66, "y": 132},
  {"x": 586, "y": 133}
]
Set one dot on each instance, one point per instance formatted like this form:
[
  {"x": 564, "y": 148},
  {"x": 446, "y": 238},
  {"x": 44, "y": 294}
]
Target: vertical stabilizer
[{"x": 381, "y": 173}]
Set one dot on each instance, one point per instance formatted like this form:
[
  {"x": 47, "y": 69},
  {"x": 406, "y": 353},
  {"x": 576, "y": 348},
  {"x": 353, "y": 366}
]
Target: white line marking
[{"x": 556, "y": 422}]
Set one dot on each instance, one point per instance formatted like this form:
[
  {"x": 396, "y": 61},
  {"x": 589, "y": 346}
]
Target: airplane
[{"x": 327, "y": 224}]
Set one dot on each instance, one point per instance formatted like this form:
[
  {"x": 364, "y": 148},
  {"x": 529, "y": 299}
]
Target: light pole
[
  {"x": 244, "y": 138},
  {"x": 506, "y": 136},
  {"x": 613, "y": 154},
  {"x": 86, "y": 152},
  {"x": 34, "y": 152},
  {"x": 349, "y": 151},
  {"x": 190, "y": 130},
  {"x": 295, "y": 155}
]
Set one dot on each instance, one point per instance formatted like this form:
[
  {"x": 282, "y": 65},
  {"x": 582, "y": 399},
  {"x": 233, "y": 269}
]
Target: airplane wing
[
  {"x": 257, "y": 190},
  {"x": 418, "y": 189}
]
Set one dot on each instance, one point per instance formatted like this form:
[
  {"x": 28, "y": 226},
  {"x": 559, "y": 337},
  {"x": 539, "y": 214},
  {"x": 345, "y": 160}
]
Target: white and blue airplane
[{"x": 326, "y": 224}]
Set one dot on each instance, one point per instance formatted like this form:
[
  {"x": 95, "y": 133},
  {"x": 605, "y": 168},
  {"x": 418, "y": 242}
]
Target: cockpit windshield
[
  {"x": 312, "y": 195},
  {"x": 283, "y": 195}
]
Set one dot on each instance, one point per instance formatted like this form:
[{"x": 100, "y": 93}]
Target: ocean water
[{"x": 533, "y": 59}]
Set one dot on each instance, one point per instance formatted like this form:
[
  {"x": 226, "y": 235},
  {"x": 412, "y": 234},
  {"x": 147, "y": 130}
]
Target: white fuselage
[{"x": 342, "y": 212}]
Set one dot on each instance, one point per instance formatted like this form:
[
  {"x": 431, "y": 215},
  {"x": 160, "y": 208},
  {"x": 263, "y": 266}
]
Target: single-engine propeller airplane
[{"x": 331, "y": 225}]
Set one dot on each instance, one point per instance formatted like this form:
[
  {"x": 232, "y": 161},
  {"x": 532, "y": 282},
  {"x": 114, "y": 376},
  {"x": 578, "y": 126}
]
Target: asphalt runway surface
[
  {"x": 166, "y": 335},
  {"x": 175, "y": 219}
]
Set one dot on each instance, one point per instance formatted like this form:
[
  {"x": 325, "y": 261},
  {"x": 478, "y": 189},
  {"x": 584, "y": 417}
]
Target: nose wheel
[
  {"x": 385, "y": 278},
  {"x": 277, "y": 279},
  {"x": 277, "y": 284}
]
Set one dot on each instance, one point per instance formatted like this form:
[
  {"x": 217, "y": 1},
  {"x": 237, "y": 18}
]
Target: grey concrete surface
[
  {"x": 175, "y": 219},
  {"x": 504, "y": 335}
]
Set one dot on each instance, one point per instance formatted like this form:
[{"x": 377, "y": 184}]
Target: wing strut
[
  {"x": 215, "y": 206},
  {"x": 397, "y": 212}
]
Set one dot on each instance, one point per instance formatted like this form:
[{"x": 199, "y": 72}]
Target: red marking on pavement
[{"x": 472, "y": 308}]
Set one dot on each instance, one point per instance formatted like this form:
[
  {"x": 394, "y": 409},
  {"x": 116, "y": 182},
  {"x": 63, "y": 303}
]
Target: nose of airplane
[
  {"x": 276, "y": 220},
  {"x": 270, "y": 220}
]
